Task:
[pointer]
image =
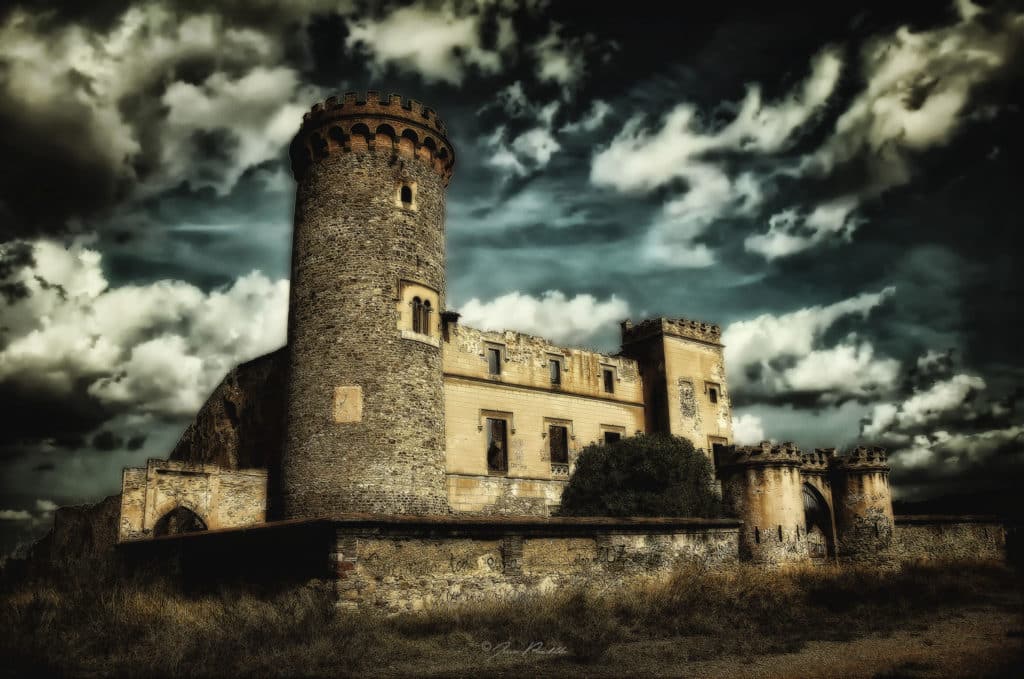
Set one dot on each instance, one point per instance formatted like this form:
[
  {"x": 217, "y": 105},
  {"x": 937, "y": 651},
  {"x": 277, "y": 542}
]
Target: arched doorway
[
  {"x": 178, "y": 520},
  {"x": 820, "y": 541}
]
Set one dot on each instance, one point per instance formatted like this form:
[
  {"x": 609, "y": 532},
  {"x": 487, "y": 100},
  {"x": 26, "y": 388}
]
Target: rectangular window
[
  {"x": 497, "y": 445},
  {"x": 612, "y": 437},
  {"x": 713, "y": 391},
  {"x": 558, "y": 437},
  {"x": 494, "y": 361},
  {"x": 556, "y": 371},
  {"x": 609, "y": 381}
]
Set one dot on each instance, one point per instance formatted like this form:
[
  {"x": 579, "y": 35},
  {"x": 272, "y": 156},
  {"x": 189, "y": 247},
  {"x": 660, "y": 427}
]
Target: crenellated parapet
[
  {"x": 354, "y": 123},
  {"x": 817, "y": 462},
  {"x": 766, "y": 454},
  {"x": 700, "y": 331},
  {"x": 862, "y": 459}
]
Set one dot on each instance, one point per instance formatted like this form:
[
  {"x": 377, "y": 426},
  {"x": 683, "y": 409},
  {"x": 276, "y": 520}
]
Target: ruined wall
[
  {"x": 524, "y": 395},
  {"x": 240, "y": 425},
  {"x": 947, "y": 538},
  {"x": 410, "y": 568},
  {"x": 222, "y": 498}
]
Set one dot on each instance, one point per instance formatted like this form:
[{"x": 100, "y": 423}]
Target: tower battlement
[
  {"x": 817, "y": 461},
  {"x": 355, "y": 123},
  {"x": 863, "y": 458},
  {"x": 676, "y": 327},
  {"x": 765, "y": 454}
]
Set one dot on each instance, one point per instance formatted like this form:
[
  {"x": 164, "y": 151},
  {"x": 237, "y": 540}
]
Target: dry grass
[{"x": 87, "y": 625}]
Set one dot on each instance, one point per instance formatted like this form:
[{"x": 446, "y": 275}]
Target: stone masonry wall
[
  {"x": 952, "y": 538},
  {"x": 396, "y": 569},
  {"x": 222, "y": 498}
]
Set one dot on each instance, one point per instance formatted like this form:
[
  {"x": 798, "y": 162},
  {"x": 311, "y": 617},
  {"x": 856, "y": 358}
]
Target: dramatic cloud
[
  {"x": 439, "y": 43},
  {"x": 552, "y": 315},
  {"x": 917, "y": 95},
  {"x": 14, "y": 515},
  {"x": 923, "y": 407},
  {"x": 747, "y": 429},
  {"x": 782, "y": 358},
  {"x": 156, "y": 99},
  {"x": 685, "y": 149},
  {"x": 71, "y": 339}
]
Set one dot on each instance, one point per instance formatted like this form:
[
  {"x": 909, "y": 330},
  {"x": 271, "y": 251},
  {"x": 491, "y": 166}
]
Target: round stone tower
[
  {"x": 762, "y": 486},
  {"x": 863, "y": 503},
  {"x": 365, "y": 404}
]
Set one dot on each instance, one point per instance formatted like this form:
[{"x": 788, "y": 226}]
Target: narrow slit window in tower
[
  {"x": 713, "y": 394},
  {"x": 609, "y": 380},
  {"x": 556, "y": 371},
  {"x": 406, "y": 195}
]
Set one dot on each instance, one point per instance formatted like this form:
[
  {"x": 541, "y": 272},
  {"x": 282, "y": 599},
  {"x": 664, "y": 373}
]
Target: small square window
[
  {"x": 494, "y": 361},
  {"x": 612, "y": 437},
  {"x": 609, "y": 381},
  {"x": 555, "y": 367}
]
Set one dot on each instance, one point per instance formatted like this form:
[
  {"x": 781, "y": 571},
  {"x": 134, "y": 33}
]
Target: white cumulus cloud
[
  {"x": 748, "y": 429},
  {"x": 553, "y": 315},
  {"x": 158, "y": 348},
  {"x": 774, "y": 357}
]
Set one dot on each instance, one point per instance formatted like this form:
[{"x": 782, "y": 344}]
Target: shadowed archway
[
  {"x": 820, "y": 540},
  {"x": 178, "y": 520}
]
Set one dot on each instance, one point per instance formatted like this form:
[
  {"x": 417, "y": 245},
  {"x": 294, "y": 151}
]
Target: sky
[{"x": 835, "y": 188}]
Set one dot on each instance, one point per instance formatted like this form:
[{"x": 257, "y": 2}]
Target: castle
[{"x": 420, "y": 445}]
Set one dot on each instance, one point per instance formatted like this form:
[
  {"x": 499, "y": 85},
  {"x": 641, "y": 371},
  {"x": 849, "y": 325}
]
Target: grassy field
[{"x": 92, "y": 625}]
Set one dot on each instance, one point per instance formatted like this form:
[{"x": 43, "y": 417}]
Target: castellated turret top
[
  {"x": 863, "y": 459},
  {"x": 818, "y": 461},
  {"x": 359, "y": 124},
  {"x": 766, "y": 454}
]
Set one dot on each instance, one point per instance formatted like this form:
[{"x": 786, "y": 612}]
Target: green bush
[{"x": 645, "y": 475}]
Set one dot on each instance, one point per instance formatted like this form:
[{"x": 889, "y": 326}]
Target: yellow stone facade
[{"x": 534, "y": 386}]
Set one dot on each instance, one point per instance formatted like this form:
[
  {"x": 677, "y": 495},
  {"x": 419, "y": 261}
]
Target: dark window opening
[
  {"x": 716, "y": 453},
  {"x": 612, "y": 437},
  {"x": 713, "y": 394},
  {"x": 497, "y": 445},
  {"x": 425, "y": 317},
  {"x": 780, "y": 533},
  {"x": 494, "y": 361},
  {"x": 407, "y": 195},
  {"x": 556, "y": 371},
  {"x": 417, "y": 314},
  {"x": 757, "y": 535},
  {"x": 558, "y": 437},
  {"x": 609, "y": 381}
]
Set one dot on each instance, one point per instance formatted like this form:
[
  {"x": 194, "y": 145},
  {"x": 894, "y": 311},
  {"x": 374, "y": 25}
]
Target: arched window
[
  {"x": 406, "y": 194},
  {"x": 425, "y": 322},
  {"x": 417, "y": 314}
]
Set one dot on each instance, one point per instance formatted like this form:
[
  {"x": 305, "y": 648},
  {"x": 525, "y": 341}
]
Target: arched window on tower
[
  {"x": 417, "y": 314},
  {"x": 406, "y": 194},
  {"x": 425, "y": 321}
]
